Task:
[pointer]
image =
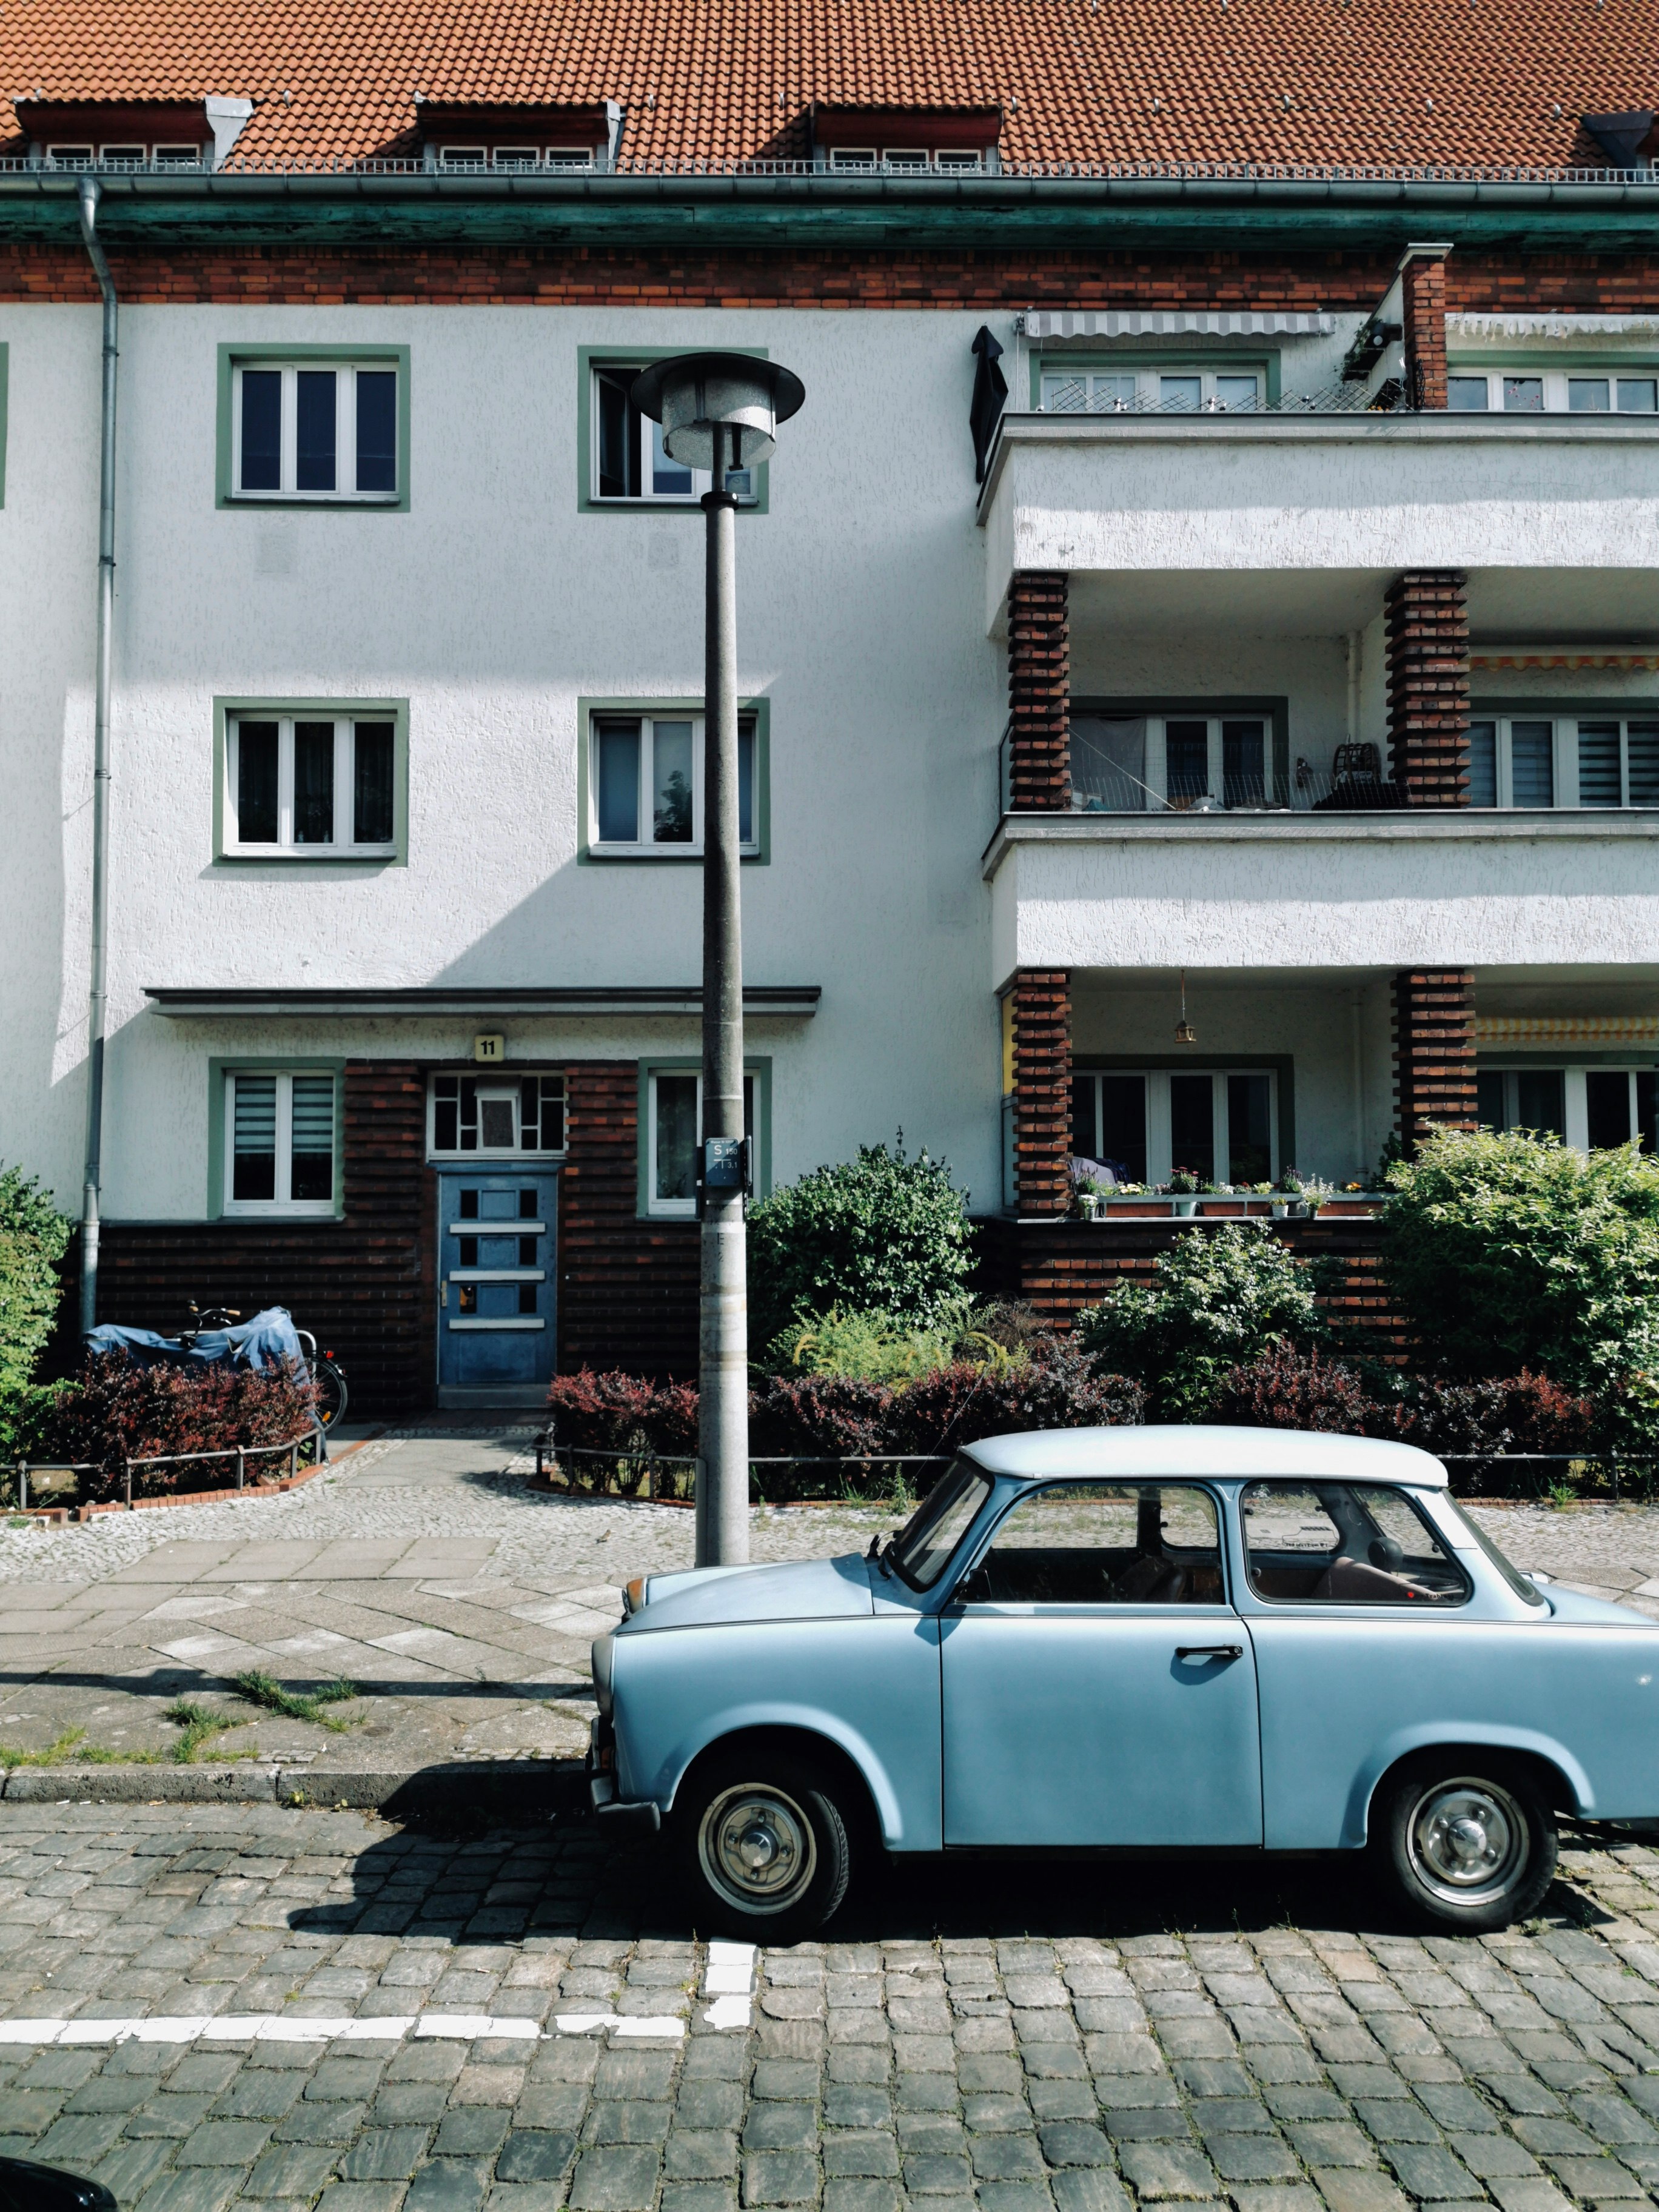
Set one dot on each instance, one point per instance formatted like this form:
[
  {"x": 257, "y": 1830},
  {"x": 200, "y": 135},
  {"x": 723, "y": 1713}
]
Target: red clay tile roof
[{"x": 1489, "y": 81}]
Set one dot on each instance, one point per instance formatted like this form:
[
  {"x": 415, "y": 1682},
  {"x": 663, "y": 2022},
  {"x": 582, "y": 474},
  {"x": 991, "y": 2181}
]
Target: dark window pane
[
  {"x": 1606, "y": 1095},
  {"x": 313, "y": 460},
  {"x": 1599, "y": 783},
  {"x": 262, "y": 429},
  {"x": 1489, "y": 1101},
  {"x": 1483, "y": 763},
  {"x": 552, "y": 1114},
  {"x": 669, "y": 478},
  {"x": 529, "y": 1206},
  {"x": 1467, "y": 395},
  {"x": 1181, "y": 394},
  {"x": 1647, "y": 1109},
  {"x": 468, "y": 1128},
  {"x": 1532, "y": 764},
  {"x": 313, "y": 783},
  {"x": 676, "y": 1167},
  {"x": 469, "y": 1205},
  {"x": 746, "y": 783},
  {"x": 1192, "y": 1125},
  {"x": 618, "y": 763},
  {"x": 1084, "y": 1135},
  {"x": 1123, "y": 1126},
  {"x": 255, "y": 783},
  {"x": 377, "y": 429},
  {"x": 528, "y": 1293},
  {"x": 1638, "y": 395},
  {"x": 1242, "y": 748},
  {"x": 619, "y": 436},
  {"x": 1539, "y": 1100},
  {"x": 671, "y": 787},
  {"x": 253, "y": 1142},
  {"x": 1642, "y": 743},
  {"x": 371, "y": 773},
  {"x": 1524, "y": 395},
  {"x": 530, "y": 1115},
  {"x": 445, "y": 1102},
  {"x": 311, "y": 1173},
  {"x": 1250, "y": 1129},
  {"x": 1587, "y": 395},
  {"x": 1187, "y": 759}
]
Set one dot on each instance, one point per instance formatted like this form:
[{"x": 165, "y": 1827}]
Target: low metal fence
[
  {"x": 241, "y": 1453},
  {"x": 875, "y": 1478}
]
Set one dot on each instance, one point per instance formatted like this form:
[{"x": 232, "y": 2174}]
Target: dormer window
[
  {"x": 120, "y": 135},
  {"x": 476, "y": 138},
  {"x": 906, "y": 141}
]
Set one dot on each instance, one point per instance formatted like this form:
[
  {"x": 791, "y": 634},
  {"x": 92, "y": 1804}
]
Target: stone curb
[{"x": 539, "y": 1785}]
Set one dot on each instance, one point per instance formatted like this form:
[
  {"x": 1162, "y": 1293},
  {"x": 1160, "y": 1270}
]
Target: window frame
[
  {"x": 1156, "y": 1073},
  {"x": 221, "y": 1150},
  {"x": 590, "y": 360},
  {"x": 228, "y": 850},
  {"x": 1575, "y": 1089},
  {"x": 1326, "y": 1607},
  {"x": 1556, "y": 376},
  {"x": 506, "y": 1075},
  {"x": 1564, "y": 718},
  {"x": 970, "y": 1562},
  {"x": 1148, "y": 366},
  {"x": 590, "y": 853},
  {"x": 757, "y": 1067},
  {"x": 232, "y": 358},
  {"x": 1271, "y": 710}
]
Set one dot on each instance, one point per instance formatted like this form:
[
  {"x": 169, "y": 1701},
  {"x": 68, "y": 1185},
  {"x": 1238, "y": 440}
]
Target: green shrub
[
  {"x": 881, "y": 1233},
  {"x": 864, "y": 1347},
  {"x": 1219, "y": 1298},
  {"x": 34, "y": 1237},
  {"x": 1512, "y": 1251}
]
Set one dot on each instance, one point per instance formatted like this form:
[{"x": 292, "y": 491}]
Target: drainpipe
[{"x": 100, "y": 773}]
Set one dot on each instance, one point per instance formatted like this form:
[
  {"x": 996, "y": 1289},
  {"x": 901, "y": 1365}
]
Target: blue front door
[{"x": 496, "y": 1239}]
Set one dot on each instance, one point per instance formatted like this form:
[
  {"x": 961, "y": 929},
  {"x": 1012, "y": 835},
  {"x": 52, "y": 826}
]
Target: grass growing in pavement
[
  {"x": 200, "y": 1724},
  {"x": 72, "y": 1748},
  {"x": 260, "y": 1689}
]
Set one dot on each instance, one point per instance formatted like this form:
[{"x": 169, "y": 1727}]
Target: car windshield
[
  {"x": 922, "y": 1548},
  {"x": 1529, "y": 1591}
]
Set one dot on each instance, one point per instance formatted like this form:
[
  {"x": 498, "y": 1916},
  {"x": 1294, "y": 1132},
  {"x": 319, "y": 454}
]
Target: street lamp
[{"x": 720, "y": 411}]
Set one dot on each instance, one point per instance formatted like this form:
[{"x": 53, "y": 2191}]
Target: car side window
[
  {"x": 1103, "y": 1543},
  {"x": 1344, "y": 1543}
]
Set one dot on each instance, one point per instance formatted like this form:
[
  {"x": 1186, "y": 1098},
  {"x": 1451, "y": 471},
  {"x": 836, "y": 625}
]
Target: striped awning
[
  {"x": 1495, "y": 1029},
  {"x": 1076, "y": 324}
]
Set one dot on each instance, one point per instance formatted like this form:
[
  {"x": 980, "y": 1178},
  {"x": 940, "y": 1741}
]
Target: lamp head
[{"x": 693, "y": 393}]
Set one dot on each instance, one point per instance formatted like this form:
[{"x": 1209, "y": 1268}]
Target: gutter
[{"x": 89, "y": 195}]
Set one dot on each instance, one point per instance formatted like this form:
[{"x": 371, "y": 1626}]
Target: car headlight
[
  {"x": 633, "y": 1594},
  {"x": 603, "y": 1658}
]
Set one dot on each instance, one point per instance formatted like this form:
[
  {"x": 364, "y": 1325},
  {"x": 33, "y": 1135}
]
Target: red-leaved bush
[
  {"x": 1055, "y": 1388},
  {"x": 821, "y": 1417},
  {"x": 1524, "y": 1412},
  {"x": 1288, "y": 1389},
  {"x": 618, "y": 1413},
  {"x": 119, "y": 1408}
]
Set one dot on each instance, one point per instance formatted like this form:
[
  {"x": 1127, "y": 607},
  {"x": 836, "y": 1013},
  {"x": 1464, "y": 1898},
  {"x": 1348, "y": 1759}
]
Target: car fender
[
  {"x": 1432, "y": 1736},
  {"x": 773, "y": 1713}
]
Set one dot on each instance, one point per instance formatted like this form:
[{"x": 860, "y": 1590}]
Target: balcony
[{"x": 1152, "y": 498}]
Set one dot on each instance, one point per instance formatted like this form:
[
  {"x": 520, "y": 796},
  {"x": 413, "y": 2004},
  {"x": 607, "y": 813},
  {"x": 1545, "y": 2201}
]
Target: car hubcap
[
  {"x": 757, "y": 1848},
  {"x": 1468, "y": 1840}
]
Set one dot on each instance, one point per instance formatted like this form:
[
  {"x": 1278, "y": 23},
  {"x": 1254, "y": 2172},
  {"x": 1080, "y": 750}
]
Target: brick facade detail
[
  {"x": 1039, "y": 693},
  {"x": 628, "y": 1288},
  {"x": 1423, "y": 282},
  {"x": 1433, "y": 1052},
  {"x": 1042, "y": 1090},
  {"x": 1426, "y": 621}
]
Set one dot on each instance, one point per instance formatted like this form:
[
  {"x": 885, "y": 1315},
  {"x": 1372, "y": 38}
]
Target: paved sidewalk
[
  {"x": 216, "y": 2007},
  {"x": 420, "y": 1568}
]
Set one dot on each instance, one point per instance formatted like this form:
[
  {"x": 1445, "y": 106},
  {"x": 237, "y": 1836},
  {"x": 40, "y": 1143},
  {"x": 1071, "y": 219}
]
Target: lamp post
[{"x": 720, "y": 411}]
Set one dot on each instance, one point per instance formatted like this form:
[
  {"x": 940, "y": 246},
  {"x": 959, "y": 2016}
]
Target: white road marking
[
  {"x": 728, "y": 1980},
  {"x": 291, "y": 2027}
]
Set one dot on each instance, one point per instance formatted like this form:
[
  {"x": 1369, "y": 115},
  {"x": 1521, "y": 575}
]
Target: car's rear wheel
[
  {"x": 764, "y": 1841},
  {"x": 1465, "y": 1841}
]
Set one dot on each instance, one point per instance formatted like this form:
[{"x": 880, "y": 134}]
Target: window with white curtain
[
  {"x": 646, "y": 784},
  {"x": 1221, "y": 1125},
  {"x": 279, "y": 1131},
  {"x": 673, "y": 1126},
  {"x": 1600, "y": 760},
  {"x": 314, "y": 430},
  {"x": 310, "y": 785}
]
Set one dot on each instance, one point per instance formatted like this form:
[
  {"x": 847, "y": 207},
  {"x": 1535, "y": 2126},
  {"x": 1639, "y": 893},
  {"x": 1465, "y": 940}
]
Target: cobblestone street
[{"x": 208, "y": 2007}]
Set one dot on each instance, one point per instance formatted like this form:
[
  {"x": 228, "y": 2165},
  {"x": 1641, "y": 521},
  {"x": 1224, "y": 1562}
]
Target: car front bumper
[{"x": 616, "y": 1815}]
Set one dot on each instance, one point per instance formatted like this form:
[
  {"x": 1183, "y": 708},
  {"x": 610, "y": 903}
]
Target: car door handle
[{"x": 1209, "y": 1651}]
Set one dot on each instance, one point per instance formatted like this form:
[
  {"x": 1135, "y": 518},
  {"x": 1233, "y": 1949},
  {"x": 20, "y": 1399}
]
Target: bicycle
[{"x": 326, "y": 1372}]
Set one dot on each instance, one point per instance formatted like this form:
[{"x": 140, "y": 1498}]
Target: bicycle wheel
[{"x": 331, "y": 1392}]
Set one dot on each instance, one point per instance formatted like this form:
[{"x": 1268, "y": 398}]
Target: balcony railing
[{"x": 1353, "y": 783}]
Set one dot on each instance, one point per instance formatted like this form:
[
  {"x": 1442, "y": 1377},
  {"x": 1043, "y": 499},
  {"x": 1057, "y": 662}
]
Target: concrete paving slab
[{"x": 180, "y": 1561}]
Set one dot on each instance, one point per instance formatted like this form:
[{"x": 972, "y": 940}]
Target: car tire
[
  {"x": 764, "y": 1845},
  {"x": 1465, "y": 1841}
]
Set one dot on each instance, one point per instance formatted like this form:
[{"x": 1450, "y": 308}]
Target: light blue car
[{"x": 1137, "y": 1638}]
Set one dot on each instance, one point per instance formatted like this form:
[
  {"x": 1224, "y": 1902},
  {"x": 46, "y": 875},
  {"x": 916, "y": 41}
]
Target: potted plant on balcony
[
  {"x": 1184, "y": 1192},
  {"x": 1288, "y": 1199}
]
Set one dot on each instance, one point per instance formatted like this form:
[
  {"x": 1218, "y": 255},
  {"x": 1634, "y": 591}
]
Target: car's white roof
[{"x": 1120, "y": 1454}]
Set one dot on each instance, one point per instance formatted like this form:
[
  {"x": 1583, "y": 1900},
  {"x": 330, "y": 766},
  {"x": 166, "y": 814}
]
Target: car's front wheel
[
  {"x": 1466, "y": 1842},
  {"x": 764, "y": 1842}
]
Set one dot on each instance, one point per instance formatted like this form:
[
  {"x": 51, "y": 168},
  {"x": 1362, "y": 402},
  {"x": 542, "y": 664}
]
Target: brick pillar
[
  {"x": 1042, "y": 1090},
  {"x": 1423, "y": 282},
  {"x": 1433, "y": 1051},
  {"x": 1427, "y": 626},
  {"x": 1039, "y": 695}
]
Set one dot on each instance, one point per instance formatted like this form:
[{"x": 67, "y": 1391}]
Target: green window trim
[
  {"x": 1205, "y": 352},
  {"x": 232, "y": 357},
  {"x": 395, "y": 711},
  {"x": 5, "y": 380},
  {"x": 587, "y": 856},
  {"x": 1275, "y": 709},
  {"x": 320, "y": 1063},
  {"x": 588, "y": 358},
  {"x": 1281, "y": 1065},
  {"x": 759, "y": 1065}
]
